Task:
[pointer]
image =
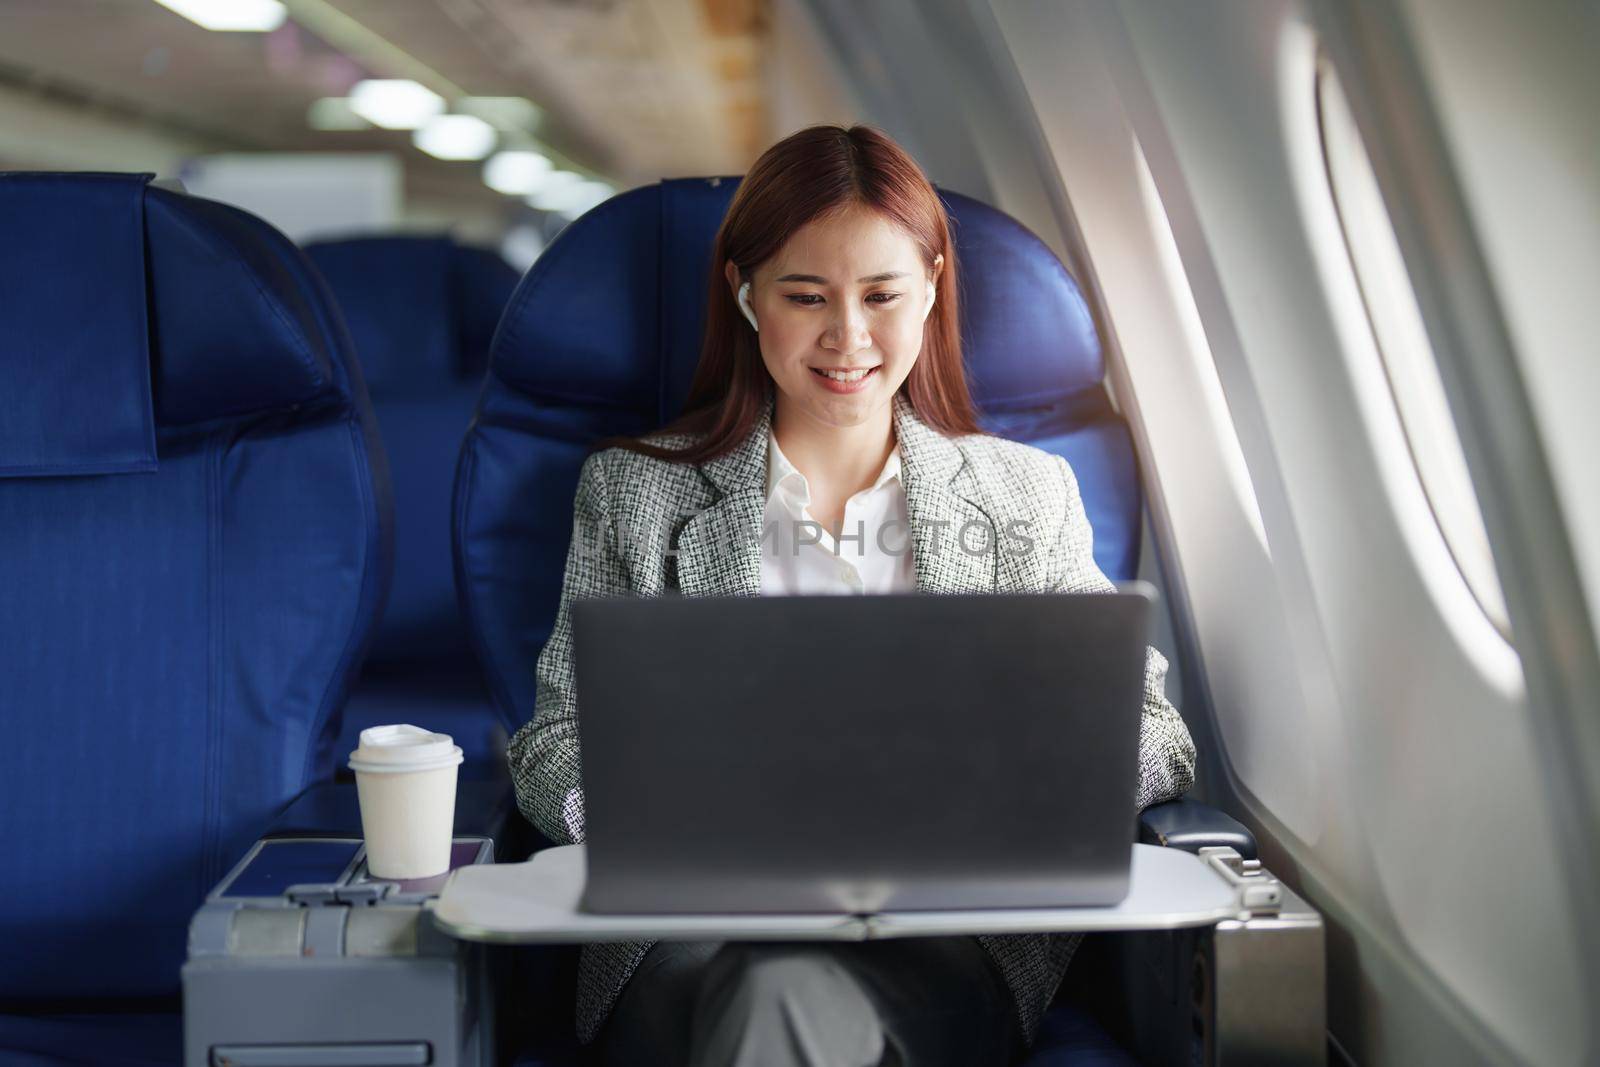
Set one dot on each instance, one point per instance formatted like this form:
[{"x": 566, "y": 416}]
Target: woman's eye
[{"x": 812, "y": 299}]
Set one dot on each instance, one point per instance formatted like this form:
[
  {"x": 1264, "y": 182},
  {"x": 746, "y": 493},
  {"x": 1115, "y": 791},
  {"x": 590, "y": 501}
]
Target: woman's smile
[{"x": 839, "y": 380}]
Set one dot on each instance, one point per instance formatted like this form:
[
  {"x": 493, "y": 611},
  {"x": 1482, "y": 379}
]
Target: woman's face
[{"x": 846, "y": 294}]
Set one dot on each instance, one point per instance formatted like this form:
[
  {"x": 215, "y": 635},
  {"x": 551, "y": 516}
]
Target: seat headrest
[
  {"x": 612, "y": 313},
  {"x": 242, "y": 323},
  {"x": 75, "y": 372},
  {"x": 422, "y": 310},
  {"x": 1026, "y": 330},
  {"x": 112, "y": 285}
]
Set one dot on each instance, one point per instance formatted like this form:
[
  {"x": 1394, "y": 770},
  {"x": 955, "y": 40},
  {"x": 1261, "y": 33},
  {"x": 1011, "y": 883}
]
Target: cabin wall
[
  {"x": 934, "y": 75},
  {"x": 1373, "y": 724},
  {"x": 1517, "y": 92},
  {"x": 805, "y": 82}
]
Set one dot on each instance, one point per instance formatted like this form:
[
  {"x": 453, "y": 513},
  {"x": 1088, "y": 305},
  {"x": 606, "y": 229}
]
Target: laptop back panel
[{"x": 859, "y": 754}]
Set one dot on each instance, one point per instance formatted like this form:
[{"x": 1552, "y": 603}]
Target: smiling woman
[
  {"x": 830, "y": 398},
  {"x": 834, "y": 330},
  {"x": 843, "y": 252}
]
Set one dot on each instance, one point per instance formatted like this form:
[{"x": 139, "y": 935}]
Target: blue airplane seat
[
  {"x": 194, "y": 549},
  {"x": 602, "y": 338},
  {"x": 422, "y": 311}
]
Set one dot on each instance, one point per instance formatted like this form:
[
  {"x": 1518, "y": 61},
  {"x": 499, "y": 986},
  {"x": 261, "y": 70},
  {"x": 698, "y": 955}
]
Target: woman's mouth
[{"x": 844, "y": 381}]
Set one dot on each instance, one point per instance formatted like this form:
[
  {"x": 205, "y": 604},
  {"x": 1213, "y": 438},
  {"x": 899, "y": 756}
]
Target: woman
[{"x": 829, "y": 412}]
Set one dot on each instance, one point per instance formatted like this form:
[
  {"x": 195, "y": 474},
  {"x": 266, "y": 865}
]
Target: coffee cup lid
[{"x": 400, "y": 748}]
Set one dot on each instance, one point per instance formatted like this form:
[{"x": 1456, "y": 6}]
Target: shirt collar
[
  {"x": 781, "y": 474},
  {"x": 928, "y": 457}
]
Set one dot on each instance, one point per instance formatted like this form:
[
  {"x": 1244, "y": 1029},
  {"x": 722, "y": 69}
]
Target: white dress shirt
[{"x": 873, "y": 554}]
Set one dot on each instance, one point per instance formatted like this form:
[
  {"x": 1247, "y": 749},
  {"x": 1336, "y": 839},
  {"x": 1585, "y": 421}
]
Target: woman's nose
[{"x": 847, "y": 332}]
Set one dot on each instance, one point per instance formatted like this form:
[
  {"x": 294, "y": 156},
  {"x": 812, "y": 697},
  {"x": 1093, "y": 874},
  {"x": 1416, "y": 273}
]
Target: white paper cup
[{"x": 406, "y": 783}]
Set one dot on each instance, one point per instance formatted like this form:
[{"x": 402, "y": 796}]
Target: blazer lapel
[
  {"x": 719, "y": 549},
  {"x": 940, "y": 501}
]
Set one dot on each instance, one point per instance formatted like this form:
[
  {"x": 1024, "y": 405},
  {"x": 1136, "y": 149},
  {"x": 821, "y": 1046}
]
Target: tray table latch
[{"x": 1258, "y": 893}]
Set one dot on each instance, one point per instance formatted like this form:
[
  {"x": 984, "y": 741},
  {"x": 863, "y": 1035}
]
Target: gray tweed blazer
[{"x": 655, "y": 504}]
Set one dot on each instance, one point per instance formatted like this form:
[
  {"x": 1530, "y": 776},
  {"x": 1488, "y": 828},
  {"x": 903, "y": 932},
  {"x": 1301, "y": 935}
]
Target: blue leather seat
[
  {"x": 194, "y": 548},
  {"x": 422, "y": 312},
  {"x": 602, "y": 338}
]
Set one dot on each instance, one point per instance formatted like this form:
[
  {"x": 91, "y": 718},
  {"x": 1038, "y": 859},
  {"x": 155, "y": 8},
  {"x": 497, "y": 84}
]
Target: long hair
[{"x": 805, "y": 176}]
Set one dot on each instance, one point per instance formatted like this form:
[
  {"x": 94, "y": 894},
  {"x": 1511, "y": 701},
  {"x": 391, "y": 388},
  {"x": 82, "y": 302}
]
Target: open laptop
[{"x": 859, "y": 754}]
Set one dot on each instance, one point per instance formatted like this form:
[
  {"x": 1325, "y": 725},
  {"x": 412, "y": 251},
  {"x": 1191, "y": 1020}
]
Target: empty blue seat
[
  {"x": 422, "y": 312},
  {"x": 603, "y": 335},
  {"x": 194, "y": 547}
]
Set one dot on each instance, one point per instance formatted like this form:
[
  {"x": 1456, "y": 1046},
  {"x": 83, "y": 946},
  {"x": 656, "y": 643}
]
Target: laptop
[{"x": 859, "y": 754}]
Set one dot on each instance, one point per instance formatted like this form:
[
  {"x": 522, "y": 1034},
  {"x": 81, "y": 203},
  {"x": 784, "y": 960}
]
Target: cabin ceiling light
[
  {"x": 572, "y": 198},
  {"x": 248, "y": 16},
  {"x": 455, "y": 137},
  {"x": 509, "y": 113},
  {"x": 516, "y": 173},
  {"x": 333, "y": 113},
  {"x": 592, "y": 194},
  {"x": 395, "y": 103},
  {"x": 559, "y": 193}
]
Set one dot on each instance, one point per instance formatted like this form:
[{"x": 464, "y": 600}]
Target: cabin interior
[{"x": 309, "y": 310}]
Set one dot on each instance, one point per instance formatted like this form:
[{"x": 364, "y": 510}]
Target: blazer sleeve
[
  {"x": 544, "y": 757},
  {"x": 1166, "y": 753}
]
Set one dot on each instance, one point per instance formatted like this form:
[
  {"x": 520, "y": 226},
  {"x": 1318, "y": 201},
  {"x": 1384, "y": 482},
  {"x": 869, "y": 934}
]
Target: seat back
[
  {"x": 603, "y": 335},
  {"x": 179, "y": 632},
  {"x": 422, "y": 312}
]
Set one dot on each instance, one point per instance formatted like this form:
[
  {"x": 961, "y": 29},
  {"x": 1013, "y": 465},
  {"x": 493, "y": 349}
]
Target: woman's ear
[
  {"x": 933, "y": 287},
  {"x": 741, "y": 294}
]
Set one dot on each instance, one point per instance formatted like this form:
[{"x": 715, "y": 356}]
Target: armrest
[
  {"x": 1191, "y": 826},
  {"x": 484, "y": 809}
]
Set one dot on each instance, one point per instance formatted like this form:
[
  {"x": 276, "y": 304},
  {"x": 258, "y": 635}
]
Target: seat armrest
[
  {"x": 1191, "y": 826},
  {"x": 483, "y": 809}
]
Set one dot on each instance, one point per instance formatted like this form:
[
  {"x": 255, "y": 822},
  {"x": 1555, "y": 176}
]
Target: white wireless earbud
[
  {"x": 938, "y": 261},
  {"x": 744, "y": 306}
]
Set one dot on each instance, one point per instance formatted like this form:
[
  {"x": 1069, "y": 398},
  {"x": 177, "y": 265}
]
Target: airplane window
[{"x": 1402, "y": 342}]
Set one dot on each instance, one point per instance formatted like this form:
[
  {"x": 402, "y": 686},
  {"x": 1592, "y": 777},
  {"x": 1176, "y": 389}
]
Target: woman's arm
[
  {"x": 1166, "y": 753},
  {"x": 544, "y": 758}
]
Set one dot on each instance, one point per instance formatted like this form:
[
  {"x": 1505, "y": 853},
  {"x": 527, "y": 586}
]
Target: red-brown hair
[{"x": 805, "y": 176}]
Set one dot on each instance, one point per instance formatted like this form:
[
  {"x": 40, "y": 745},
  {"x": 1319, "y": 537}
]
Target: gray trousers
[{"x": 916, "y": 1002}]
